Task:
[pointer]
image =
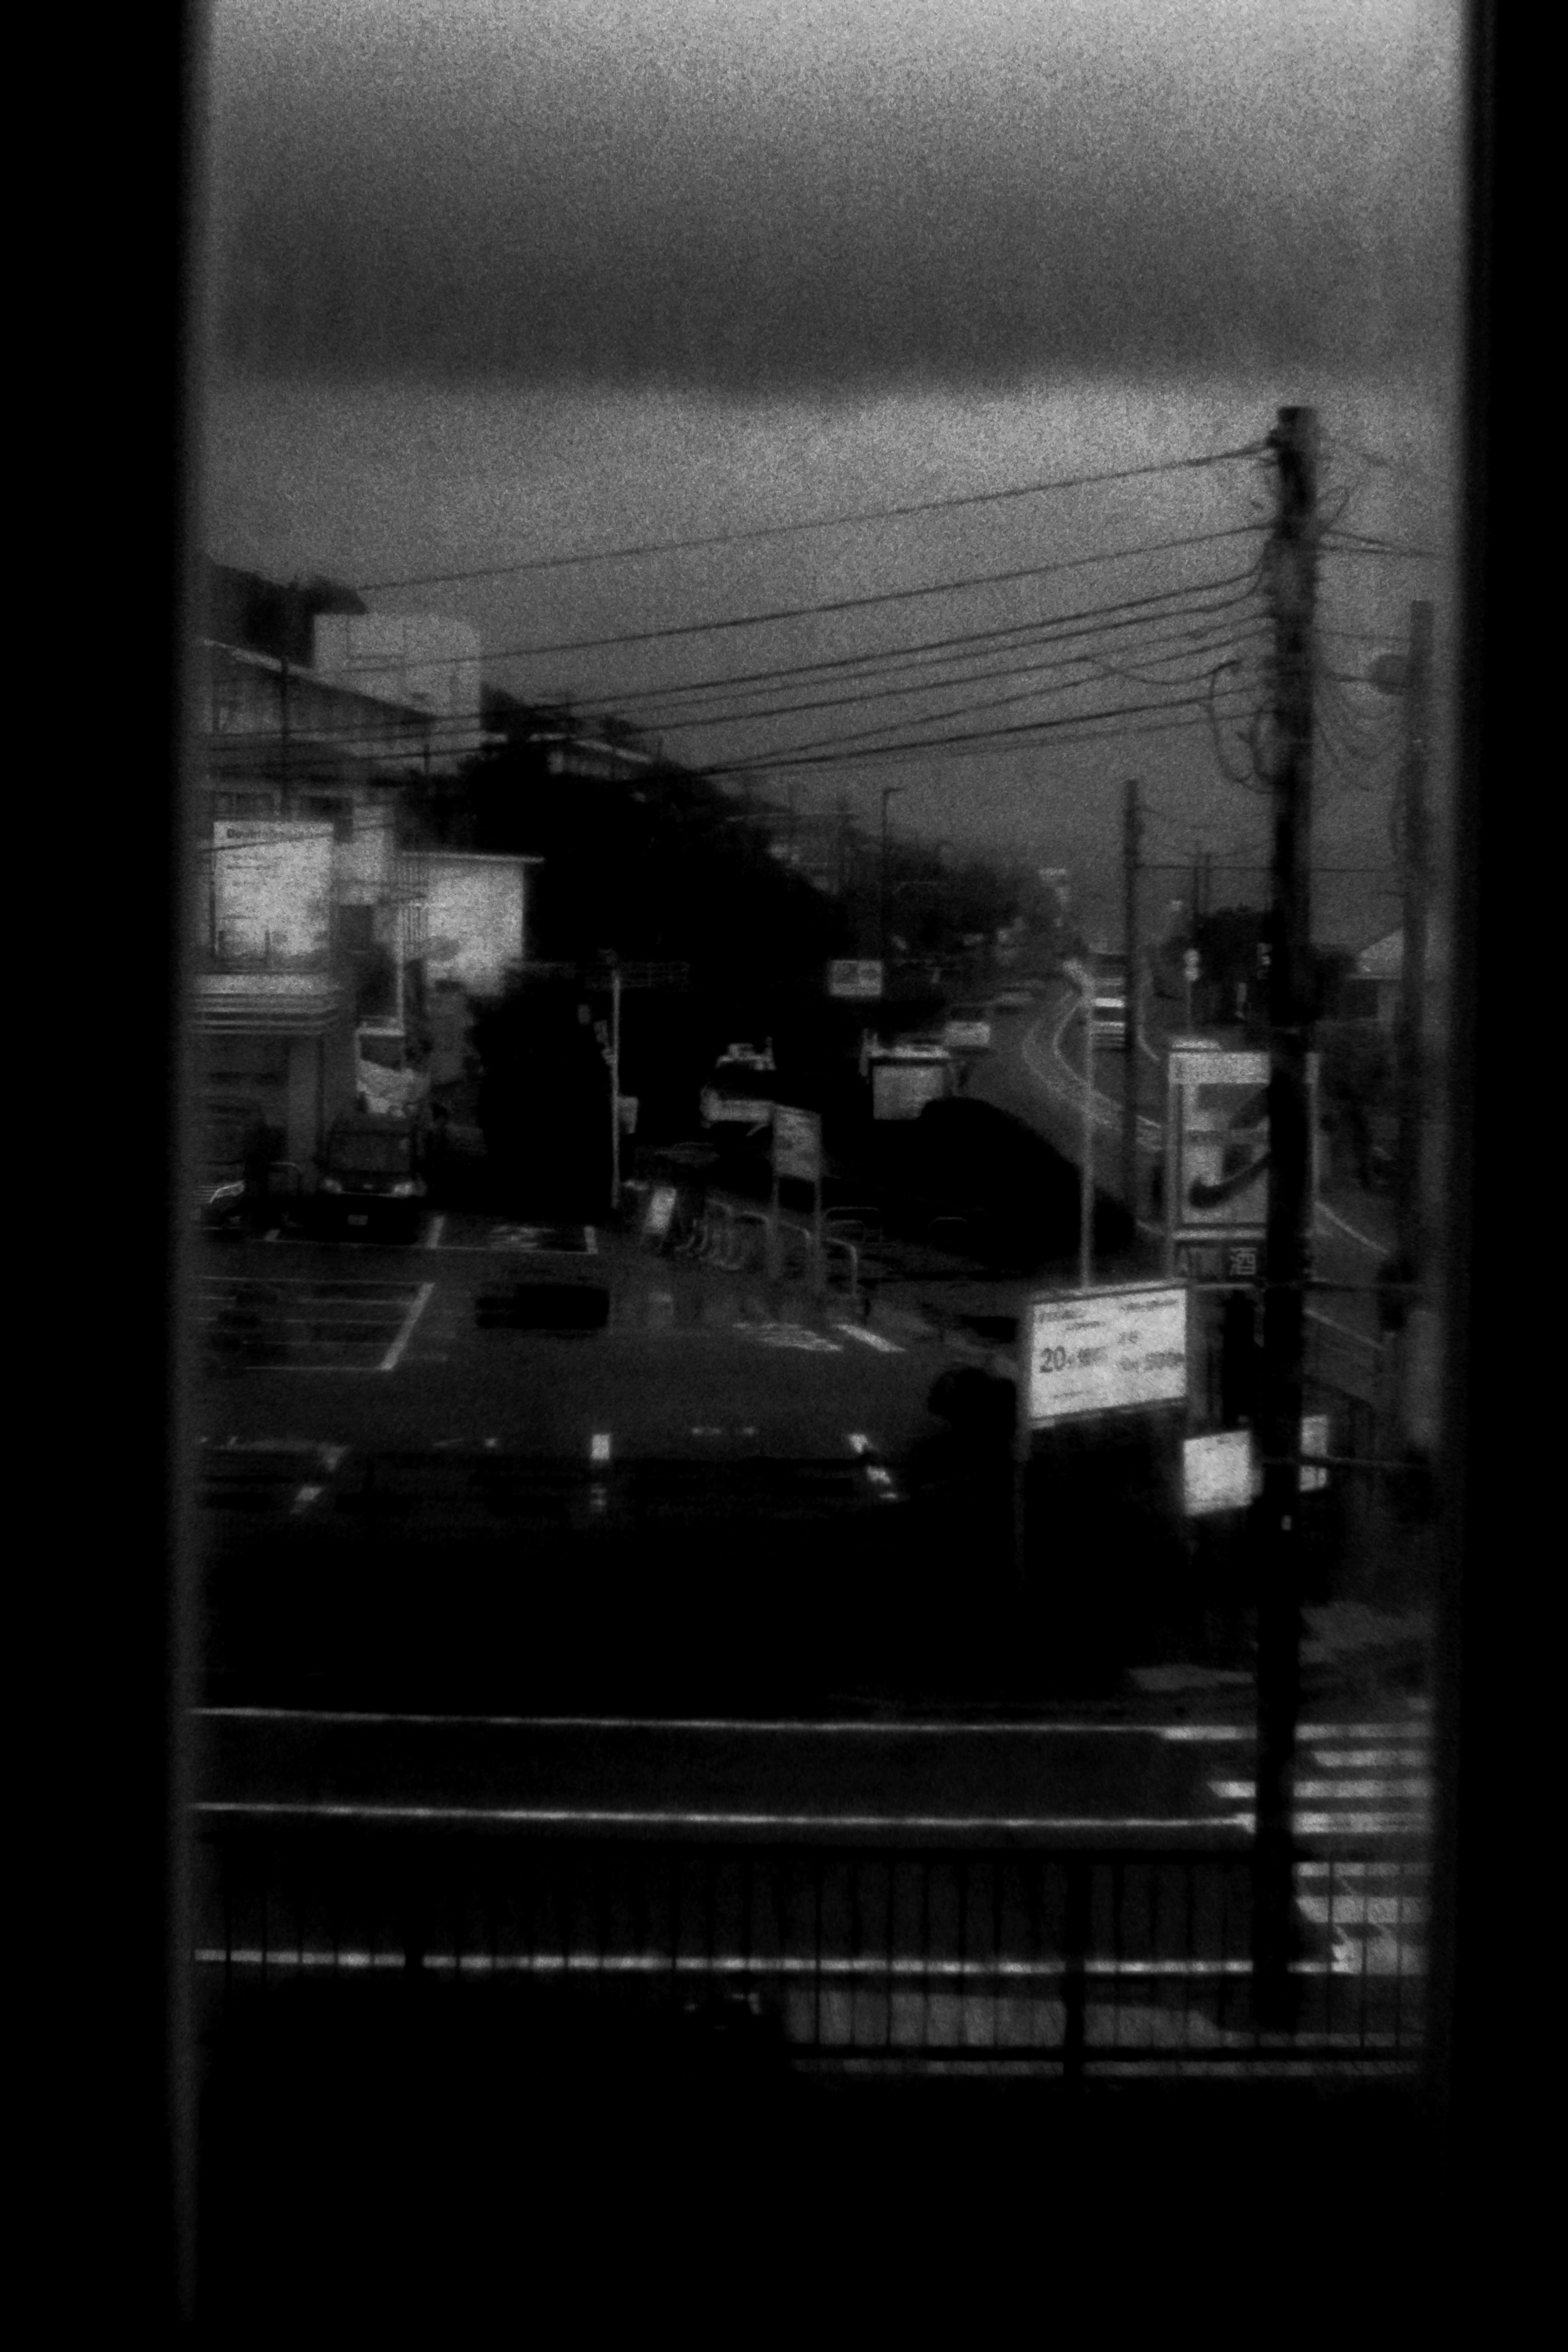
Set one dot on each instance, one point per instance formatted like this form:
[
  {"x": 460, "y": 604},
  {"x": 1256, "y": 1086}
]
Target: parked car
[
  {"x": 967, "y": 1029},
  {"x": 741, "y": 1090},
  {"x": 242, "y": 1181},
  {"x": 371, "y": 1180}
]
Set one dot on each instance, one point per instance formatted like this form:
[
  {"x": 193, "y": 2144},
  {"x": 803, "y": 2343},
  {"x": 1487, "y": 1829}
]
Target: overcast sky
[{"x": 492, "y": 283}]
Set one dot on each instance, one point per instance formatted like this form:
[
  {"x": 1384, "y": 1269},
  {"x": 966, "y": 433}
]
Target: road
[
  {"x": 538, "y": 1652},
  {"x": 386, "y": 1347},
  {"x": 1036, "y": 1073}
]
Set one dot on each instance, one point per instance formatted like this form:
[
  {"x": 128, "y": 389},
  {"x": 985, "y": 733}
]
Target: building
[
  {"x": 418, "y": 662},
  {"x": 312, "y": 911}
]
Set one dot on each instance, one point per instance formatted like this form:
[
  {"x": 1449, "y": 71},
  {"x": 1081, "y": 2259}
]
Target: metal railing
[
  {"x": 914, "y": 1954},
  {"x": 365, "y": 1499}
]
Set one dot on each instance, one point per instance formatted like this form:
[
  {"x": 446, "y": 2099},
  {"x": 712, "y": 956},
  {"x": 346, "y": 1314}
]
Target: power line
[
  {"x": 929, "y": 650},
  {"x": 1347, "y": 543},
  {"x": 1032, "y": 728},
  {"x": 1134, "y": 611},
  {"x": 841, "y": 604},
  {"x": 1083, "y": 661},
  {"x": 817, "y": 522},
  {"x": 1067, "y": 684}
]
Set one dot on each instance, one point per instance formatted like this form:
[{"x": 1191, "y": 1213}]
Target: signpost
[
  {"x": 1102, "y": 1350},
  {"x": 1094, "y": 1353},
  {"x": 798, "y": 1154}
]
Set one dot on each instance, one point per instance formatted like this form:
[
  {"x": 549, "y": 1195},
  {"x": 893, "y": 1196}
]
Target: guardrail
[{"x": 910, "y": 1953}]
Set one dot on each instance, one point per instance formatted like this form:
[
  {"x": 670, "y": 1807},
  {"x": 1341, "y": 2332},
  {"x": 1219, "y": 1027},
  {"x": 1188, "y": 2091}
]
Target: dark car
[
  {"x": 372, "y": 1182},
  {"x": 240, "y": 1180}
]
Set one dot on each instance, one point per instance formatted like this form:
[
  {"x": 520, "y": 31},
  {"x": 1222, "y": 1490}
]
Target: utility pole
[
  {"x": 1416, "y": 829},
  {"x": 1086, "y": 1177},
  {"x": 615, "y": 1088},
  {"x": 285, "y": 759},
  {"x": 1292, "y": 587},
  {"x": 889, "y": 792},
  {"x": 1132, "y": 839}
]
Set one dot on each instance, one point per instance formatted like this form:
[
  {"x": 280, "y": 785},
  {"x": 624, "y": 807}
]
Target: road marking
[
  {"x": 306, "y": 1496},
  {"x": 438, "y": 1226},
  {"x": 591, "y": 1817},
  {"x": 879, "y": 1968},
  {"x": 1343, "y": 1330},
  {"x": 1365, "y": 1760},
  {"x": 1367, "y": 1790},
  {"x": 870, "y": 1339},
  {"x": 390, "y": 1360},
  {"x": 857, "y": 1727},
  {"x": 599, "y": 1446},
  {"x": 790, "y": 1335},
  {"x": 1333, "y": 1217}
]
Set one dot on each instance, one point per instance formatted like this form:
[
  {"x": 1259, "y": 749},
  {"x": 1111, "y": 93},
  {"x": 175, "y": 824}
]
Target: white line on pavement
[
  {"x": 1344, "y": 1331},
  {"x": 870, "y": 1339},
  {"x": 389, "y": 1362},
  {"x": 878, "y": 1965},
  {"x": 1333, "y": 1217},
  {"x": 438, "y": 1227},
  {"x": 856, "y": 1728},
  {"x": 587, "y": 1816}
]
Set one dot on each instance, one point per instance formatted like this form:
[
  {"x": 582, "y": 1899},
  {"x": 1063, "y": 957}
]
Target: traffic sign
[{"x": 1103, "y": 1350}]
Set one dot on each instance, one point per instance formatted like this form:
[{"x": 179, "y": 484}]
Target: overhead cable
[{"x": 814, "y": 522}]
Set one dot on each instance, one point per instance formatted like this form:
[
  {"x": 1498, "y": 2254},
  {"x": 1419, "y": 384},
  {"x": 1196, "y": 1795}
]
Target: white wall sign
[
  {"x": 1099, "y": 1350},
  {"x": 1222, "y": 1472},
  {"x": 1219, "y": 1471}
]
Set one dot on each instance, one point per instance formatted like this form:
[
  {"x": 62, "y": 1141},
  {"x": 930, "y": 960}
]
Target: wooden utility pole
[
  {"x": 1291, "y": 579},
  {"x": 1416, "y": 829},
  {"x": 1132, "y": 838}
]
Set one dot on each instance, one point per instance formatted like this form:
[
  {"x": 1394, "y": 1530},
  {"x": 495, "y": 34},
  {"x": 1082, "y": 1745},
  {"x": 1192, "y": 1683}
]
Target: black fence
[{"x": 819, "y": 1949}]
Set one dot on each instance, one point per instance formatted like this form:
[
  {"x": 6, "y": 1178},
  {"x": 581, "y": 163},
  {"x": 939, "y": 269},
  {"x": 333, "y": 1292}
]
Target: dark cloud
[{"x": 703, "y": 207}]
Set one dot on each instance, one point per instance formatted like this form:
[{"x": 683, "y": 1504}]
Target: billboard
[
  {"x": 1102, "y": 1350},
  {"x": 1217, "y": 1142}
]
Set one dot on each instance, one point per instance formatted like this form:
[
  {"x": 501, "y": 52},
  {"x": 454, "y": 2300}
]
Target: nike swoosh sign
[{"x": 1212, "y": 1196}]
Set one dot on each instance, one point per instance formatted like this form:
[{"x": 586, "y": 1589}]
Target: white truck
[{"x": 1106, "y": 975}]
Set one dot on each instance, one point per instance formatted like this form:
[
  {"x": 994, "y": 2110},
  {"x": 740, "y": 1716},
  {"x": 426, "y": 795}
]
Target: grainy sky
[{"x": 493, "y": 283}]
